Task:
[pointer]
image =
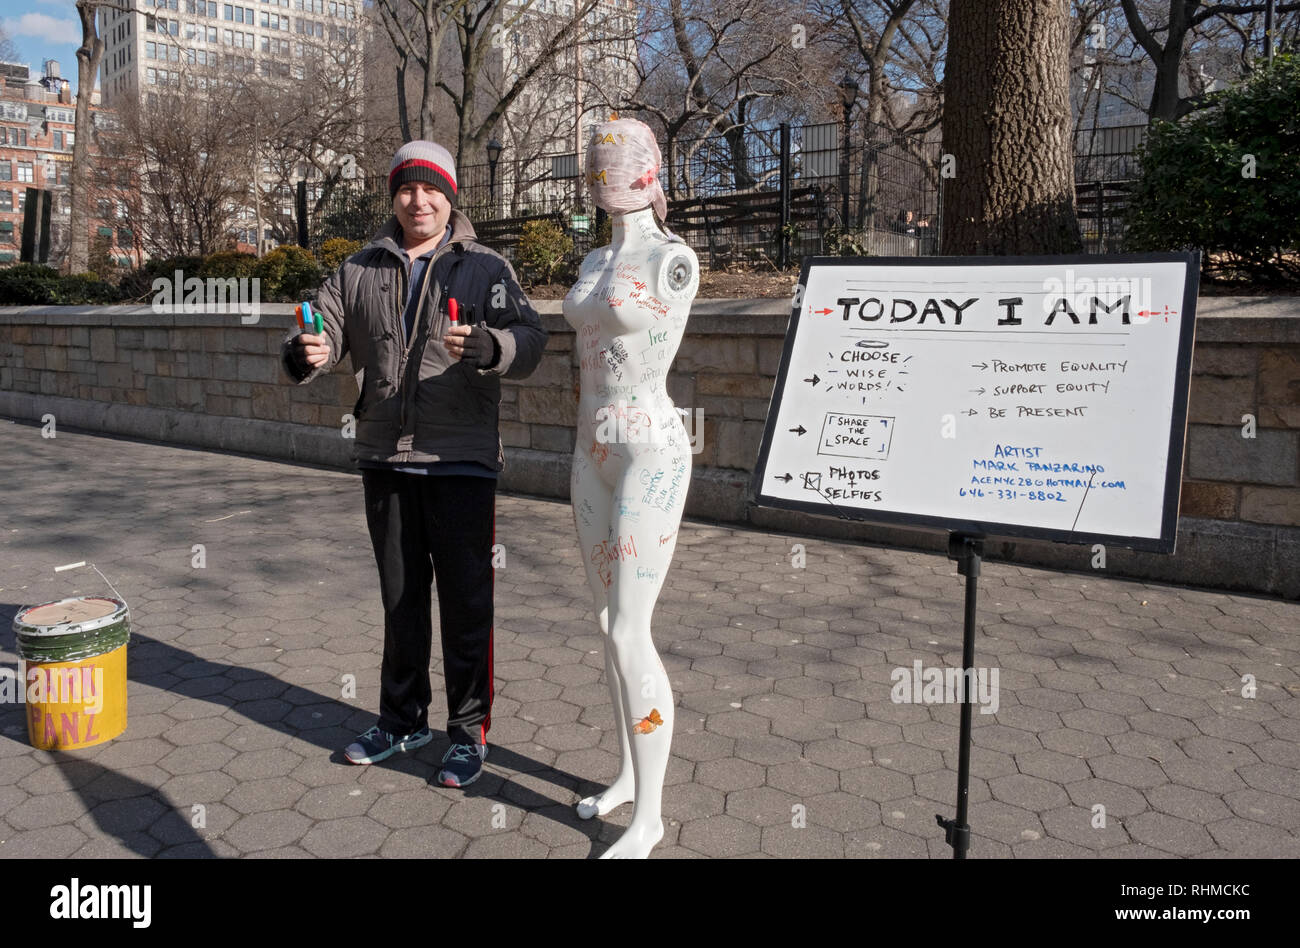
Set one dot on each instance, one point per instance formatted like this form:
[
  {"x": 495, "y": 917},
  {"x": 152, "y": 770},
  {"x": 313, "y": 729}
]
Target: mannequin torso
[{"x": 631, "y": 472}]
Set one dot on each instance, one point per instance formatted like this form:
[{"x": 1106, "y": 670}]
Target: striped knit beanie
[{"x": 423, "y": 161}]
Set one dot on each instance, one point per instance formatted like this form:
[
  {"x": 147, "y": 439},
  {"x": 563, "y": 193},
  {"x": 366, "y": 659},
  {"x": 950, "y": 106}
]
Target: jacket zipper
[{"x": 407, "y": 349}]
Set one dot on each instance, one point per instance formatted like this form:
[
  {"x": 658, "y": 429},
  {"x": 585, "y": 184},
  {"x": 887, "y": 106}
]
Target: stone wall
[{"x": 208, "y": 380}]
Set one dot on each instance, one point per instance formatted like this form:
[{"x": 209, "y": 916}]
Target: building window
[
  {"x": 6, "y": 171},
  {"x": 6, "y": 232},
  {"x": 58, "y": 141},
  {"x": 25, "y": 171},
  {"x": 6, "y": 200},
  {"x": 149, "y": 50},
  {"x": 227, "y": 12}
]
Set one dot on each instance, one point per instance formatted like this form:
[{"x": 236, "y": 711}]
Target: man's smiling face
[{"x": 422, "y": 210}]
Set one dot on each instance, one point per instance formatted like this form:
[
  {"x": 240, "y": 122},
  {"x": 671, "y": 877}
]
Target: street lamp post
[
  {"x": 848, "y": 95},
  {"x": 494, "y": 149},
  {"x": 1268, "y": 30}
]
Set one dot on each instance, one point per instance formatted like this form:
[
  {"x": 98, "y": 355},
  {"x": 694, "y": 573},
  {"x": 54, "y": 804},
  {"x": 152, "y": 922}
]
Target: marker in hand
[
  {"x": 307, "y": 320},
  {"x": 458, "y": 334},
  {"x": 315, "y": 349}
]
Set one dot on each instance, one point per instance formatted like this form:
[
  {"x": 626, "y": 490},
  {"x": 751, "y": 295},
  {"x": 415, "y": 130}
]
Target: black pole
[
  {"x": 31, "y": 209},
  {"x": 1100, "y": 194},
  {"x": 966, "y": 550},
  {"x": 844, "y": 169},
  {"x": 1268, "y": 31},
  {"x": 302, "y": 213},
  {"x": 783, "y": 244},
  {"x": 43, "y": 251}
]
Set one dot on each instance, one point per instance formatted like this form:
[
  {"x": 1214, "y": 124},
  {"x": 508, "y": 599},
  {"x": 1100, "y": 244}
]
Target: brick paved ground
[{"x": 1113, "y": 693}]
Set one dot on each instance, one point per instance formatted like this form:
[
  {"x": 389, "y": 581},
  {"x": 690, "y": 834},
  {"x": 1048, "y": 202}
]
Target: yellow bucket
[{"x": 74, "y": 651}]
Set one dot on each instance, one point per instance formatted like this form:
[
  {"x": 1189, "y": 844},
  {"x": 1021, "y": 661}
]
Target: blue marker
[{"x": 308, "y": 320}]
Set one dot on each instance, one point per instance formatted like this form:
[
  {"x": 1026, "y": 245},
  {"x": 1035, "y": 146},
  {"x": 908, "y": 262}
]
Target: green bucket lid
[{"x": 69, "y": 630}]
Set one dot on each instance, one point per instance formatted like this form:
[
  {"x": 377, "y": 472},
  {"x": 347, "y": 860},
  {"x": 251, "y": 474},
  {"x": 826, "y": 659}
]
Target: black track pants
[{"x": 424, "y": 526}]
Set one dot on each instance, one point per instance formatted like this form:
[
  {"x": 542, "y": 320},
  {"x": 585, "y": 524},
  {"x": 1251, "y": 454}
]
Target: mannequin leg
[
  {"x": 592, "y": 503},
  {"x": 637, "y": 578}
]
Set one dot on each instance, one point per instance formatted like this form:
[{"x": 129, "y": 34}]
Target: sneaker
[
  {"x": 462, "y": 764},
  {"x": 375, "y": 745}
]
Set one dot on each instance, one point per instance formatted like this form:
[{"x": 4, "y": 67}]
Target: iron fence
[{"x": 754, "y": 195}]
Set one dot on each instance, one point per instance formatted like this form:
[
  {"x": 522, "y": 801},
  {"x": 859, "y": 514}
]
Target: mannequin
[{"x": 632, "y": 456}]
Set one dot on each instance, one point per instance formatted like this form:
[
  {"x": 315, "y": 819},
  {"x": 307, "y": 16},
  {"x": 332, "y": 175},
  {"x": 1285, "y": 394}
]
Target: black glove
[
  {"x": 480, "y": 348},
  {"x": 295, "y": 358}
]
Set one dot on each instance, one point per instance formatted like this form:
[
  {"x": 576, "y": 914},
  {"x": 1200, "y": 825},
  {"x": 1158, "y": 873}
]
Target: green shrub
[
  {"x": 226, "y": 264},
  {"x": 85, "y": 288},
  {"x": 841, "y": 243},
  {"x": 542, "y": 249},
  {"x": 29, "y": 284},
  {"x": 287, "y": 273},
  {"x": 137, "y": 284},
  {"x": 335, "y": 250},
  {"x": 1226, "y": 179}
]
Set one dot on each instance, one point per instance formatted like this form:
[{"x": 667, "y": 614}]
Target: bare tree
[
  {"x": 1007, "y": 129},
  {"x": 433, "y": 35},
  {"x": 1174, "y": 21},
  {"x": 418, "y": 30},
  {"x": 302, "y": 124},
  {"x": 180, "y": 167},
  {"x": 89, "y": 55},
  {"x": 896, "y": 48},
  {"x": 713, "y": 67},
  {"x": 487, "y": 24}
]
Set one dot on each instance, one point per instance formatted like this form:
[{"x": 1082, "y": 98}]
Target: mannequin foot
[
  {"x": 612, "y": 797},
  {"x": 637, "y": 841}
]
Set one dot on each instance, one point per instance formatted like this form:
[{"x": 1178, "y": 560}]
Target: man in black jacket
[{"x": 427, "y": 443}]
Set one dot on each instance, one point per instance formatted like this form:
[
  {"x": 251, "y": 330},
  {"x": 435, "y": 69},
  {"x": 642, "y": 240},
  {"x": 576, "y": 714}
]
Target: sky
[{"x": 41, "y": 30}]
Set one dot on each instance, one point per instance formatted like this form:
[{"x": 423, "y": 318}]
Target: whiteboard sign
[{"x": 1037, "y": 397}]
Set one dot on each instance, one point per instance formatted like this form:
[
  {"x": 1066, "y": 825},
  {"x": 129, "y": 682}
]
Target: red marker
[{"x": 453, "y": 309}]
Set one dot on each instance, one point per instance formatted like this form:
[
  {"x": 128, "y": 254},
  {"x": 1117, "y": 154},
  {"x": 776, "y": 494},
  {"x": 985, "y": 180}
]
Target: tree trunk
[
  {"x": 1007, "y": 129},
  {"x": 403, "y": 117},
  {"x": 88, "y": 57},
  {"x": 742, "y": 179}
]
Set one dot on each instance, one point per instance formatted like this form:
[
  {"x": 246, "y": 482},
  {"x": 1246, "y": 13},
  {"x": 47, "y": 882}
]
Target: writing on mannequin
[{"x": 632, "y": 456}]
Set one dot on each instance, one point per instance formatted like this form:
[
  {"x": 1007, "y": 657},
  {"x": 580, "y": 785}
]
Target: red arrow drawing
[{"x": 823, "y": 312}]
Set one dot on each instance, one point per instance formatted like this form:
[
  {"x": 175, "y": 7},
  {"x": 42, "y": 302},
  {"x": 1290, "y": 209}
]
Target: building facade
[
  {"x": 157, "y": 47},
  {"x": 37, "y": 132}
]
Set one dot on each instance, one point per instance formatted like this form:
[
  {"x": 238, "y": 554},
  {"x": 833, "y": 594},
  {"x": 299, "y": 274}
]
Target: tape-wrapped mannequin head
[{"x": 623, "y": 168}]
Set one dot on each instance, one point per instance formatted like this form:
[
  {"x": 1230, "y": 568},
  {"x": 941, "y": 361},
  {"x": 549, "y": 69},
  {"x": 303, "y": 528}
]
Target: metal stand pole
[{"x": 966, "y": 550}]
